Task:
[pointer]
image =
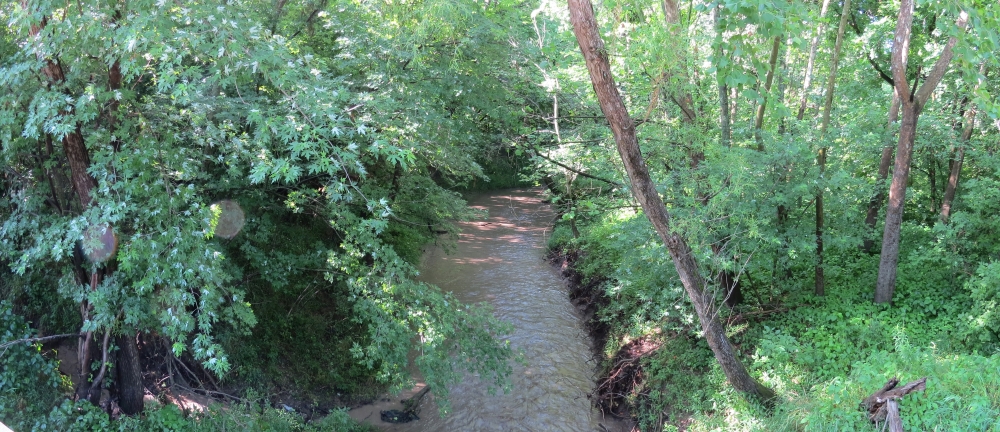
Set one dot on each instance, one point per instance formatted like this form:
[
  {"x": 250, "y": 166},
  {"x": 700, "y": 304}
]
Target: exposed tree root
[{"x": 619, "y": 386}]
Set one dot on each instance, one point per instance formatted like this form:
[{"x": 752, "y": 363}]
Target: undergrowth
[{"x": 823, "y": 355}]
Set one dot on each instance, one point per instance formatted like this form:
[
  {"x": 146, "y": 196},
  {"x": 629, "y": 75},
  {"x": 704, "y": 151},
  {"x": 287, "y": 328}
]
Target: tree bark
[
  {"x": 912, "y": 105},
  {"x": 820, "y": 287},
  {"x": 130, "y": 387},
  {"x": 969, "y": 118},
  {"x": 883, "y": 173},
  {"x": 812, "y": 61},
  {"x": 587, "y": 34}
]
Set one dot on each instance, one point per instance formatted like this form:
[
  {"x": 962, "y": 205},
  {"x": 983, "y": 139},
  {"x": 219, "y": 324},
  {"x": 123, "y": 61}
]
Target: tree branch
[
  {"x": 941, "y": 66},
  {"x": 881, "y": 72},
  {"x": 590, "y": 176},
  {"x": 901, "y": 48}
]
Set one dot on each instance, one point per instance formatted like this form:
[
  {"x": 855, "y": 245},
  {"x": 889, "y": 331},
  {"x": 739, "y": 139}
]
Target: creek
[{"x": 500, "y": 261}]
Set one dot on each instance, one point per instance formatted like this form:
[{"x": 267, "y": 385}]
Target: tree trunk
[
  {"x": 894, "y": 210},
  {"x": 587, "y": 34},
  {"x": 78, "y": 158},
  {"x": 130, "y": 387},
  {"x": 812, "y": 61},
  {"x": 911, "y": 107},
  {"x": 883, "y": 173},
  {"x": 969, "y": 118},
  {"x": 820, "y": 288},
  {"x": 758, "y": 122}
]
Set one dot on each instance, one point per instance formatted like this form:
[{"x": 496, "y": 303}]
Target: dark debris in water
[{"x": 397, "y": 416}]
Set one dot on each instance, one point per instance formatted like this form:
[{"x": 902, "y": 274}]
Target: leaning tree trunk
[
  {"x": 883, "y": 173},
  {"x": 588, "y": 36},
  {"x": 912, "y": 104},
  {"x": 820, "y": 288},
  {"x": 969, "y": 117}
]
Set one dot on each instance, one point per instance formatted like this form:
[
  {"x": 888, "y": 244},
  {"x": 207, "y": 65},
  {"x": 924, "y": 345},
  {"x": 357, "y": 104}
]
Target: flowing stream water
[{"x": 500, "y": 261}]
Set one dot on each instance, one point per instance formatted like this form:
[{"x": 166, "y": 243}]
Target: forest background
[{"x": 235, "y": 195}]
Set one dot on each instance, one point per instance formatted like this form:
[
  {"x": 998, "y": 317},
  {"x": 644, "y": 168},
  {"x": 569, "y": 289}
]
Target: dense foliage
[
  {"x": 247, "y": 186},
  {"x": 743, "y": 192},
  {"x": 257, "y": 181}
]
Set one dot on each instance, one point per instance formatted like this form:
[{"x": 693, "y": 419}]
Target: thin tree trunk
[
  {"x": 911, "y": 108},
  {"x": 724, "y": 121},
  {"x": 812, "y": 61},
  {"x": 588, "y": 36},
  {"x": 734, "y": 97},
  {"x": 782, "y": 211},
  {"x": 820, "y": 288},
  {"x": 883, "y": 173},
  {"x": 782, "y": 87},
  {"x": 969, "y": 118},
  {"x": 682, "y": 98},
  {"x": 758, "y": 122}
]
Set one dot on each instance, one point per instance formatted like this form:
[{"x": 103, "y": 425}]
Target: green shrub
[
  {"x": 963, "y": 392},
  {"x": 29, "y": 382},
  {"x": 984, "y": 325},
  {"x": 678, "y": 380}
]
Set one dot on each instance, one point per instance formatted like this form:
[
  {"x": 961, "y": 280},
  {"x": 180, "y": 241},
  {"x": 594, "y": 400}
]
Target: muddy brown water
[{"x": 500, "y": 261}]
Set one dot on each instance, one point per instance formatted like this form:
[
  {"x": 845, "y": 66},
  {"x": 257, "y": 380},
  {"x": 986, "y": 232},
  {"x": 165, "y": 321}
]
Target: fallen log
[{"x": 883, "y": 405}]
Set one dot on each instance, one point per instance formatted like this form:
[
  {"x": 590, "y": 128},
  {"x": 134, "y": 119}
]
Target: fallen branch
[{"x": 883, "y": 404}]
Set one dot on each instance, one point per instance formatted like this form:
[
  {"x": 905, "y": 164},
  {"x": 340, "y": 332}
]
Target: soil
[{"x": 618, "y": 379}]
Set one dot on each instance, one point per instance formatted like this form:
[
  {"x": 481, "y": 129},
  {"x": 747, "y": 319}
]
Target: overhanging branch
[{"x": 590, "y": 176}]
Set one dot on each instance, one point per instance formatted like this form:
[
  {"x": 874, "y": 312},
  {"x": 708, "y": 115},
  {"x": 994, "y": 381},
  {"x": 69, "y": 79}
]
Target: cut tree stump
[{"x": 883, "y": 405}]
